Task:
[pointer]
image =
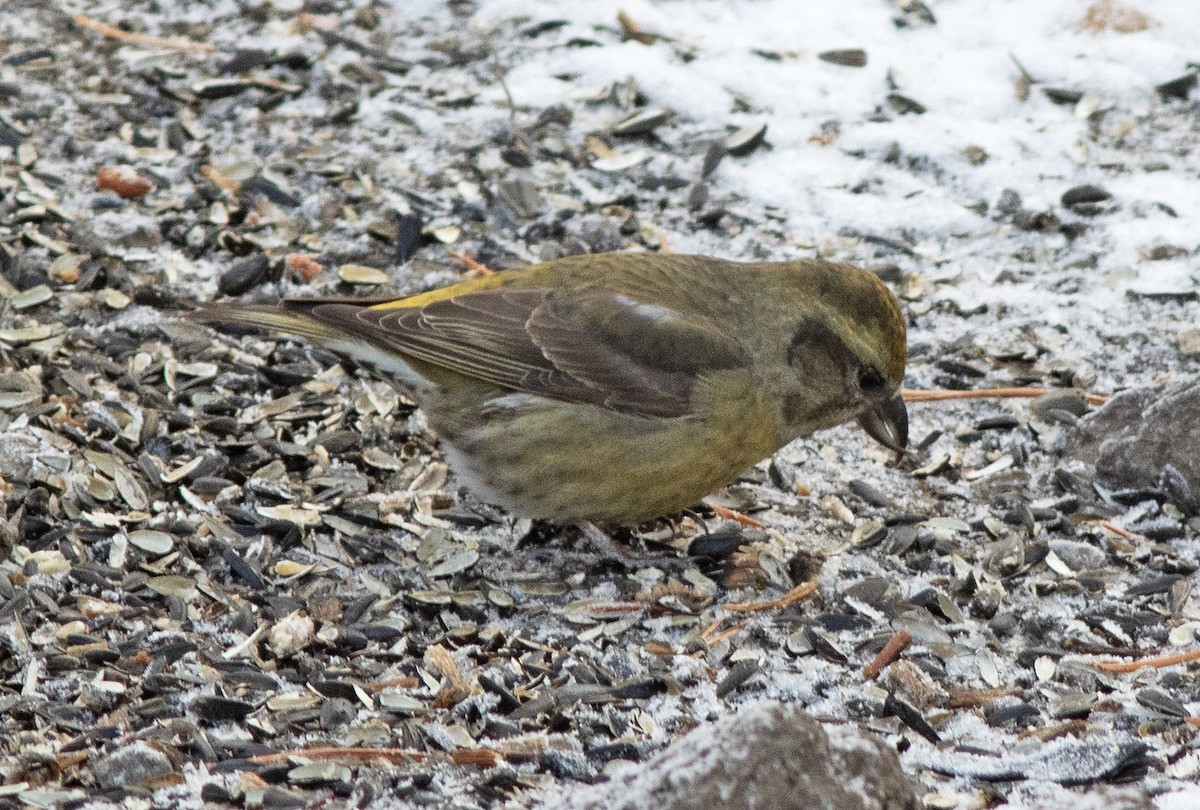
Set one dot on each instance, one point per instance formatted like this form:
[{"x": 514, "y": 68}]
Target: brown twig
[
  {"x": 888, "y": 655},
  {"x": 478, "y": 757},
  {"x": 113, "y": 32},
  {"x": 455, "y": 688},
  {"x": 1024, "y": 73},
  {"x": 519, "y": 135},
  {"x": 725, "y": 513},
  {"x": 1118, "y": 531},
  {"x": 405, "y": 682},
  {"x": 1049, "y": 733},
  {"x": 479, "y": 267},
  {"x": 631, "y": 30},
  {"x": 713, "y": 641},
  {"x": 498, "y": 72},
  {"x": 1157, "y": 663},
  {"x": 69, "y": 760},
  {"x": 797, "y": 594},
  {"x": 659, "y": 648},
  {"x": 911, "y": 395},
  {"x": 393, "y": 755},
  {"x": 977, "y": 698}
]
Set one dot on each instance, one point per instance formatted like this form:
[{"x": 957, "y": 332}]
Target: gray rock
[
  {"x": 1110, "y": 797},
  {"x": 17, "y": 452},
  {"x": 770, "y": 756},
  {"x": 1079, "y": 556},
  {"x": 1138, "y": 432},
  {"x": 132, "y": 766},
  {"x": 1067, "y": 761}
]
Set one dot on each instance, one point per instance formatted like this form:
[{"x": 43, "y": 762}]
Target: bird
[{"x": 617, "y": 388}]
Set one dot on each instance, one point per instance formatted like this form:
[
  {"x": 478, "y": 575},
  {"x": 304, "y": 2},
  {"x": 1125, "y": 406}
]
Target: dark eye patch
[{"x": 815, "y": 345}]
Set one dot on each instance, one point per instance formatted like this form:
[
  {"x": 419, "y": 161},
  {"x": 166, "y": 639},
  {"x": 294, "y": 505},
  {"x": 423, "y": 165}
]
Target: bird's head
[{"x": 845, "y": 353}]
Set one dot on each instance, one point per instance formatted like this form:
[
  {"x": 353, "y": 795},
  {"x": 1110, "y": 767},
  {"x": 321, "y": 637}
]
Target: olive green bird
[{"x": 617, "y": 388}]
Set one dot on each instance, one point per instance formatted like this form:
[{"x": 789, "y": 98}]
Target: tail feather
[
  {"x": 288, "y": 316},
  {"x": 295, "y": 316}
]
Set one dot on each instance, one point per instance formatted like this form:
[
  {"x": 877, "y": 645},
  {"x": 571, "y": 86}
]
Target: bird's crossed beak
[{"x": 887, "y": 423}]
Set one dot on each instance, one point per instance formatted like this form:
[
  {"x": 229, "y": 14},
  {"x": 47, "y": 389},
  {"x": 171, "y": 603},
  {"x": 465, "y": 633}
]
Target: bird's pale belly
[{"x": 567, "y": 462}]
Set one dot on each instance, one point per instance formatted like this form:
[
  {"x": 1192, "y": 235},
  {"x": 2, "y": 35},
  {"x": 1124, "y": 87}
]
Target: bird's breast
[{"x": 568, "y": 461}]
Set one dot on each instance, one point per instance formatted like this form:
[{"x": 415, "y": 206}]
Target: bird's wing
[{"x": 590, "y": 347}]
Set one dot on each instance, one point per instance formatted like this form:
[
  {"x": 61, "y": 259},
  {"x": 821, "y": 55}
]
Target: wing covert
[{"x": 589, "y": 347}]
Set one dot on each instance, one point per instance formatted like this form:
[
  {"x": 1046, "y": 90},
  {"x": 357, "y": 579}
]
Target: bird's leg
[{"x": 608, "y": 548}]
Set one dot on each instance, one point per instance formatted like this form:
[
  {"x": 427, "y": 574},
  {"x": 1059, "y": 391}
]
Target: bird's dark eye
[{"x": 870, "y": 381}]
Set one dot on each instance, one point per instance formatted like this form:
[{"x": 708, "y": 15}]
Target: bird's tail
[
  {"x": 295, "y": 316},
  {"x": 289, "y": 316}
]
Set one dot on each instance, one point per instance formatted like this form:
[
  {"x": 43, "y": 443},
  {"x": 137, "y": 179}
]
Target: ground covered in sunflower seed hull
[{"x": 216, "y": 551}]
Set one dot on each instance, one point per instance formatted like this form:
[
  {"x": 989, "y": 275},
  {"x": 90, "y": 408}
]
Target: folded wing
[{"x": 592, "y": 347}]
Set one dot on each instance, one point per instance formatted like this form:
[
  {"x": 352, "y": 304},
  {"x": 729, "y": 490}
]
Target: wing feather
[{"x": 593, "y": 347}]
